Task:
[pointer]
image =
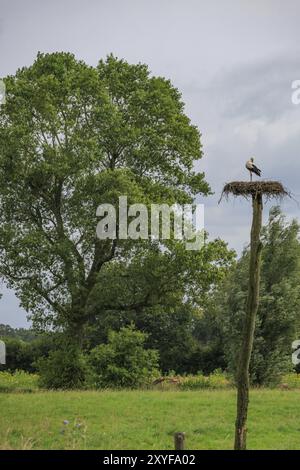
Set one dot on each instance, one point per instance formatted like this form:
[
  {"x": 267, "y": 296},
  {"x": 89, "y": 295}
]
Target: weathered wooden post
[
  {"x": 249, "y": 325},
  {"x": 256, "y": 190},
  {"x": 179, "y": 438}
]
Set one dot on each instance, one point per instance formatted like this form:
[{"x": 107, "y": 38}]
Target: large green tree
[{"x": 73, "y": 137}]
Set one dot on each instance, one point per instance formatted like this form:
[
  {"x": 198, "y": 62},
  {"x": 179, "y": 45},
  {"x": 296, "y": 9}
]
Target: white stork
[{"x": 252, "y": 168}]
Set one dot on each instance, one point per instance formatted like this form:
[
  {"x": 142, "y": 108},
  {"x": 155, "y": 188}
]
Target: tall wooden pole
[{"x": 249, "y": 325}]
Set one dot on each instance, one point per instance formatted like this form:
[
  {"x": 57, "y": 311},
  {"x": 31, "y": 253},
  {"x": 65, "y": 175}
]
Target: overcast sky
[{"x": 233, "y": 60}]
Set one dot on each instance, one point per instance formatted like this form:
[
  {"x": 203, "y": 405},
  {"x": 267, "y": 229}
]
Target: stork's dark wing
[{"x": 256, "y": 170}]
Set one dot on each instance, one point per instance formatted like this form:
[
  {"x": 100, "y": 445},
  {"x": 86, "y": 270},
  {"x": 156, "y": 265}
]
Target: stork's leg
[{"x": 251, "y": 176}]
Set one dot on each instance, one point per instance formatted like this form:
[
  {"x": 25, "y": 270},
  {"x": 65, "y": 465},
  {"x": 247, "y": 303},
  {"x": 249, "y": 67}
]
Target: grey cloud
[
  {"x": 261, "y": 90},
  {"x": 256, "y": 90}
]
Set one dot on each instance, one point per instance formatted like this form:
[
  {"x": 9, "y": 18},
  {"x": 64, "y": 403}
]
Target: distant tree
[
  {"x": 23, "y": 355},
  {"x": 7, "y": 331},
  {"x": 25, "y": 334},
  {"x": 278, "y": 318},
  {"x": 18, "y": 355}
]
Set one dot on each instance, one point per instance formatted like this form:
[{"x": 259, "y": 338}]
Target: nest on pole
[{"x": 248, "y": 189}]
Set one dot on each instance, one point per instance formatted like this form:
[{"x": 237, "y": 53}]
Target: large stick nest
[{"x": 247, "y": 189}]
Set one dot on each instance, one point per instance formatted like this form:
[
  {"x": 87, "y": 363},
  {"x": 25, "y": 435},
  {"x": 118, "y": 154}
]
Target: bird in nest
[{"x": 252, "y": 168}]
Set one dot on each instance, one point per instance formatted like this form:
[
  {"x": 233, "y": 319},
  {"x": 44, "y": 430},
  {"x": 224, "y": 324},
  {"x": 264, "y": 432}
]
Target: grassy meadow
[{"x": 146, "y": 419}]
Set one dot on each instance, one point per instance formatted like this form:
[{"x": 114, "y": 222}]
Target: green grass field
[{"x": 146, "y": 419}]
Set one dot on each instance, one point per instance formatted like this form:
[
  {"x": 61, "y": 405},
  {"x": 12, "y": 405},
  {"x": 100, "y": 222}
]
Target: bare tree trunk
[{"x": 249, "y": 326}]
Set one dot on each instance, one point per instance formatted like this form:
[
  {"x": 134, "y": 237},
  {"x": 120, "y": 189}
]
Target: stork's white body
[{"x": 252, "y": 168}]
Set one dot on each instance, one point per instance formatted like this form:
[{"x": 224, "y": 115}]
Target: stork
[{"x": 252, "y": 168}]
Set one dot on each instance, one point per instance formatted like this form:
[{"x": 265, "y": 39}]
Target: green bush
[
  {"x": 124, "y": 362},
  {"x": 194, "y": 382},
  {"x": 62, "y": 369},
  {"x": 292, "y": 380},
  {"x": 18, "y": 381},
  {"x": 216, "y": 380},
  {"x": 219, "y": 379}
]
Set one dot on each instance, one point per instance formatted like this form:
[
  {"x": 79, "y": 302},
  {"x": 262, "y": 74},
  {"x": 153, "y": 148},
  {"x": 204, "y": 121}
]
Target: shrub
[
  {"x": 124, "y": 362},
  {"x": 62, "y": 369},
  {"x": 18, "y": 381},
  {"x": 216, "y": 380},
  {"x": 292, "y": 380},
  {"x": 219, "y": 379},
  {"x": 194, "y": 382}
]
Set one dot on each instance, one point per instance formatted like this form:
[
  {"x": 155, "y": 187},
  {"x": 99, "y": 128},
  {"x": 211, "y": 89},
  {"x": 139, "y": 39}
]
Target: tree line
[{"x": 190, "y": 341}]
